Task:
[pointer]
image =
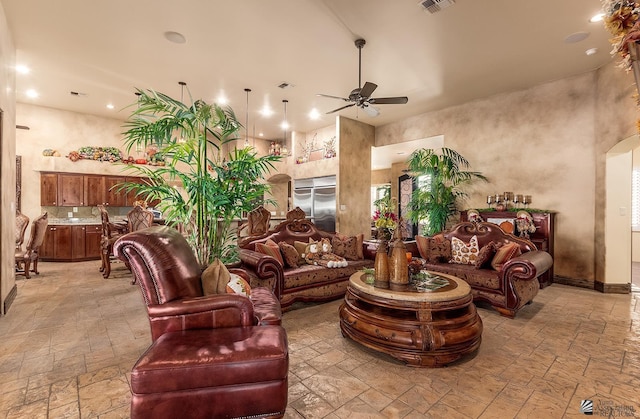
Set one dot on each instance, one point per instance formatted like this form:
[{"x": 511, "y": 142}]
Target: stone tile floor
[{"x": 71, "y": 337}]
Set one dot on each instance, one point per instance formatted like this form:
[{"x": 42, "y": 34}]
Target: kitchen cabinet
[
  {"x": 114, "y": 197},
  {"x": 57, "y": 243},
  {"x": 94, "y": 190},
  {"x": 133, "y": 196},
  {"x": 49, "y": 189},
  {"x": 68, "y": 243},
  {"x": 70, "y": 190},
  {"x": 93, "y": 234}
]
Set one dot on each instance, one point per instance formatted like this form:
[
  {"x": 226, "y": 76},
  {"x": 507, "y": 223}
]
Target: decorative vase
[
  {"x": 398, "y": 265},
  {"x": 381, "y": 266}
]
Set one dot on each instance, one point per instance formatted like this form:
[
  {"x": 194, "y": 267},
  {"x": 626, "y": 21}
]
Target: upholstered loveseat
[
  {"x": 305, "y": 282},
  {"x": 509, "y": 287}
]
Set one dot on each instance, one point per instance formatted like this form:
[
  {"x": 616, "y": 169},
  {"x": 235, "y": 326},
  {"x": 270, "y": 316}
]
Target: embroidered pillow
[
  {"x": 289, "y": 254},
  {"x": 238, "y": 285},
  {"x": 434, "y": 249},
  {"x": 504, "y": 254},
  {"x": 346, "y": 247},
  {"x": 464, "y": 253},
  {"x": 270, "y": 248},
  {"x": 485, "y": 255}
]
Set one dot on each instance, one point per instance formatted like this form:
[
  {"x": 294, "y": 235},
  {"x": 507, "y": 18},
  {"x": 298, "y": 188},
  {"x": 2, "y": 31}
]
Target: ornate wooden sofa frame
[
  {"x": 305, "y": 283},
  {"x": 508, "y": 289}
]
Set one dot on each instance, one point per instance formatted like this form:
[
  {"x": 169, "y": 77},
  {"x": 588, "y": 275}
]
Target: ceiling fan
[{"x": 361, "y": 96}]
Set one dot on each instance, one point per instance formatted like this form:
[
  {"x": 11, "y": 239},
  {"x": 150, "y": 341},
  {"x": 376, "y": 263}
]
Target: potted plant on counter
[
  {"x": 439, "y": 178},
  {"x": 202, "y": 188}
]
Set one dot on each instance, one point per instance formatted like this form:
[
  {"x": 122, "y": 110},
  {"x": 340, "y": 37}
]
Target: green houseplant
[
  {"x": 440, "y": 176},
  {"x": 201, "y": 188}
]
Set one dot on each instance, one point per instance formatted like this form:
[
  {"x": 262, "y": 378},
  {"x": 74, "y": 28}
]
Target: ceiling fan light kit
[{"x": 361, "y": 96}]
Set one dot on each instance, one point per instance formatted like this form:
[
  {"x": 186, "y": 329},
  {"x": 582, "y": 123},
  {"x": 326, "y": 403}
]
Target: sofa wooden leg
[{"x": 505, "y": 312}]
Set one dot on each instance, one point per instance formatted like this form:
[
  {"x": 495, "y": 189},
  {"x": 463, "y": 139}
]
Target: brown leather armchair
[{"x": 212, "y": 356}]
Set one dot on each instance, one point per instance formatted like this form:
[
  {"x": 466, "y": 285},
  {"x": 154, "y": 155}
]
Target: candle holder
[
  {"x": 490, "y": 200},
  {"x": 526, "y": 200}
]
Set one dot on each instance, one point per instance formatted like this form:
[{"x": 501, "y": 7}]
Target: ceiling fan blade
[
  {"x": 333, "y": 97},
  {"x": 367, "y": 89},
  {"x": 339, "y": 109},
  {"x": 389, "y": 100},
  {"x": 372, "y": 111}
]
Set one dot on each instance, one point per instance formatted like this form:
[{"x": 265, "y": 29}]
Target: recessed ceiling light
[
  {"x": 23, "y": 69},
  {"x": 597, "y": 18},
  {"x": 32, "y": 93},
  {"x": 576, "y": 37},
  {"x": 314, "y": 114},
  {"x": 110, "y": 106},
  {"x": 285, "y": 125},
  {"x": 175, "y": 37},
  {"x": 222, "y": 100},
  {"x": 261, "y": 134},
  {"x": 266, "y": 111},
  {"x": 591, "y": 51}
]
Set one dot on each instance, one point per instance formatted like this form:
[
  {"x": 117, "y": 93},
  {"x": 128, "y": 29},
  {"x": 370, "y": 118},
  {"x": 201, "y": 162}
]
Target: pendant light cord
[{"x": 246, "y": 126}]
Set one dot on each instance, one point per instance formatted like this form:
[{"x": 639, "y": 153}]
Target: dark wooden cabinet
[
  {"x": 78, "y": 242},
  {"x": 49, "y": 189},
  {"x": 70, "y": 190},
  {"x": 94, "y": 190},
  {"x": 93, "y": 234},
  {"x": 57, "y": 243},
  {"x": 114, "y": 197},
  {"x": 133, "y": 196},
  {"x": 543, "y": 238},
  {"x": 67, "y": 243}
]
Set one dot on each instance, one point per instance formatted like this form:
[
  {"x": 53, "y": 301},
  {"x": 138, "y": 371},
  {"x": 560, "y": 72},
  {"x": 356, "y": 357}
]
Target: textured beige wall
[
  {"x": 354, "y": 177},
  {"x": 8, "y": 163},
  {"x": 381, "y": 177},
  {"x": 539, "y": 142}
]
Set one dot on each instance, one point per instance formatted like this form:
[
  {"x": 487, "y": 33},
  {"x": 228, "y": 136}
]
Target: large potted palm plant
[
  {"x": 439, "y": 177},
  {"x": 201, "y": 187}
]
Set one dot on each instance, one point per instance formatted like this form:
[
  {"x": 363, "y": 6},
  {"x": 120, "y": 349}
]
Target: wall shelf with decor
[{"x": 543, "y": 237}]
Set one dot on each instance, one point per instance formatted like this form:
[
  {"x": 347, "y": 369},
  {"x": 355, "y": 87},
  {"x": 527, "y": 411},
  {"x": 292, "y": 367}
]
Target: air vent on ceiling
[
  {"x": 434, "y": 6},
  {"x": 285, "y": 85}
]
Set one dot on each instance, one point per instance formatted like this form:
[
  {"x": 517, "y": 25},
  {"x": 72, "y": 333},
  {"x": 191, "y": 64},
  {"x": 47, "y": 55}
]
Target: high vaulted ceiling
[{"x": 473, "y": 49}]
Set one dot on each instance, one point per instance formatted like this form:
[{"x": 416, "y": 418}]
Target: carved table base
[{"x": 422, "y": 329}]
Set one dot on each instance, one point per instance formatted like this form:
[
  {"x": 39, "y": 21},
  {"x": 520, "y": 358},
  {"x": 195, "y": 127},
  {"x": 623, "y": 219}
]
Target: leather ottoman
[{"x": 222, "y": 373}]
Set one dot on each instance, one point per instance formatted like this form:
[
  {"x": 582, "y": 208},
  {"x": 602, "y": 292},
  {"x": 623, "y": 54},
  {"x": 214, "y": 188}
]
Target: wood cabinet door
[
  {"x": 63, "y": 243},
  {"x": 47, "y": 250},
  {"x": 48, "y": 189},
  {"x": 78, "y": 242},
  {"x": 94, "y": 190},
  {"x": 70, "y": 190},
  {"x": 114, "y": 197},
  {"x": 93, "y": 234}
]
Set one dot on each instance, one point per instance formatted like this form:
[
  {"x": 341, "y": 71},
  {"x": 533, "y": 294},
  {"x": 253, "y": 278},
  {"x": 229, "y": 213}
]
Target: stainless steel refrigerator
[{"x": 317, "y": 198}]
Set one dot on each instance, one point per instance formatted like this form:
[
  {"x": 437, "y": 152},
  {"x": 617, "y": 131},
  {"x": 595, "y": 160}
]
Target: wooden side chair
[
  {"x": 257, "y": 222},
  {"x": 139, "y": 218},
  {"x": 27, "y": 260},
  {"x": 110, "y": 233},
  {"x": 22, "y": 221}
]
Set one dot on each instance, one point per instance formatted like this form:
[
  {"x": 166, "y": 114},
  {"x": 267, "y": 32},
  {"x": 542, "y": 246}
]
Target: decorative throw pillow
[
  {"x": 434, "y": 249},
  {"x": 289, "y": 254},
  {"x": 300, "y": 248},
  {"x": 270, "y": 248},
  {"x": 504, "y": 254},
  {"x": 215, "y": 278},
  {"x": 346, "y": 247},
  {"x": 238, "y": 285},
  {"x": 485, "y": 255},
  {"x": 464, "y": 253}
]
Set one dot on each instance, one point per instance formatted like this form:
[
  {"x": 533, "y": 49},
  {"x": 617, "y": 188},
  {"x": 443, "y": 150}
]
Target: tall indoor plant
[
  {"x": 201, "y": 188},
  {"x": 440, "y": 176}
]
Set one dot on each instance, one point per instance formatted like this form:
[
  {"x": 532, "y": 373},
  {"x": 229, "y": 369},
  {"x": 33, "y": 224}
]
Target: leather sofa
[
  {"x": 507, "y": 290},
  {"x": 222, "y": 355},
  {"x": 307, "y": 283}
]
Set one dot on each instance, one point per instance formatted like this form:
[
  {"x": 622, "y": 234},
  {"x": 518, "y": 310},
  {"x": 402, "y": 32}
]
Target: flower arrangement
[
  {"x": 384, "y": 219},
  {"x": 621, "y": 19}
]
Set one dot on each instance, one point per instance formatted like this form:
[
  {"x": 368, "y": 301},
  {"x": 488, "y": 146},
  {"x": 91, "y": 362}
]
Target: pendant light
[
  {"x": 285, "y": 124},
  {"x": 246, "y": 125},
  {"x": 138, "y": 145},
  {"x": 181, "y": 140}
]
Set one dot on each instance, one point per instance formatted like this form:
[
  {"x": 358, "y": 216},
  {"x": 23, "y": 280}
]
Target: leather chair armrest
[
  {"x": 208, "y": 312},
  {"x": 266, "y": 306},
  {"x": 529, "y": 265},
  {"x": 265, "y": 267}
]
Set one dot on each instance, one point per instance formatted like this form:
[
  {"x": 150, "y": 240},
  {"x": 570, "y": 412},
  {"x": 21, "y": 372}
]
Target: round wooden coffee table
[{"x": 423, "y": 329}]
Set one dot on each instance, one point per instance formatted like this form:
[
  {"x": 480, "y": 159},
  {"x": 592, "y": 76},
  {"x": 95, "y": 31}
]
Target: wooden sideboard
[{"x": 543, "y": 238}]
